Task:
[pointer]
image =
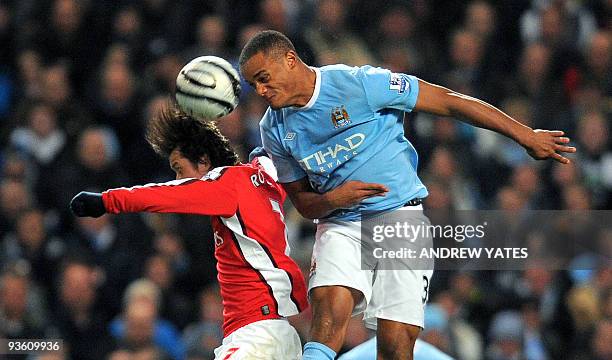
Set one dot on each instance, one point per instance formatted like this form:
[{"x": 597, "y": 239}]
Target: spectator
[
  {"x": 40, "y": 138},
  {"x": 80, "y": 323},
  {"x": 32, "y": 243},
  {"x": 16, "y": 167},
  {"x": 139, "y": 327},
  {"x": 464, "y": 338},
  {"x": 526, "y": 180},
  {"x": 277, "y": 15},
  {"x": 174, "y": 304},
  {"x": 201, "y": 338},
  {"x": 443, "y": 166},
  {"x": 598, "y": 62},
  {"x": 58, "y": 92},
  {"x": 211, "y": 38},
  {"x": 533, "y": 338},
  {"x": 595, "y": 160},
  {"x": 557, "y": 22},
  {"x": 534, "y": 69},
  {"x": 466, "y": 53},
  {"x": 436, "y": 328},
  {"x": 402, "y": 46},
  {"x": 117, "y": 103},
  {"x": 14, "y": 198},
  {"x": 110, "y": 244},
  {"x": 66, "y": 35},
  {"x": 232, "y": 127},
  {"x": 29, "y": 73},
  {"x": 22, "y": 309},
  {"x": 506, "y": 333},
  {"x": 127, "y": 30},
  {"x": 330, "y": 38},
  {"x": 170, "y": 246},
  {"x": 144, "y": 293}
]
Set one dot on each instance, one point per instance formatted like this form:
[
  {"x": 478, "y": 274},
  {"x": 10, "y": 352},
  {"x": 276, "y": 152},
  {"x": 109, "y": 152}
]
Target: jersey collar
[{"x": 315, "y": 93}]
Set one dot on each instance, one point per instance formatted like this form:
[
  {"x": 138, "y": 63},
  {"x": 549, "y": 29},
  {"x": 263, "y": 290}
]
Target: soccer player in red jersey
[{"x": 260, "y": 284}]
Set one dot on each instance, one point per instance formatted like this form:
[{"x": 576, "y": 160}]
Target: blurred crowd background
[{"x": 80, "y": 78}]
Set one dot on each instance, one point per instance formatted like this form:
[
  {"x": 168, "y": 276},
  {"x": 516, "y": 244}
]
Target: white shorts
[
  {"x": 262, "y": 340},
  {"x": 398, "y": 295}
]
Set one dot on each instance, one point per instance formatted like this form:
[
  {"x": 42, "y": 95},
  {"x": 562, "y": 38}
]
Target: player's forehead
[{"x": 259, "y": 63}]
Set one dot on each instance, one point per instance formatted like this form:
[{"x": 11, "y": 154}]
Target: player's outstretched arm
[
  {"x": 313, "y": 205},
  {"x": 87, "y": 204},
  {"x": 540, "y": 144},
  {"x": 187, "y": 196}
]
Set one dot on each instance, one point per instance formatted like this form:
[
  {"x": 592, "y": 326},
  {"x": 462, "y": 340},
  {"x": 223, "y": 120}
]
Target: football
[{"x": 208, "y": 87}]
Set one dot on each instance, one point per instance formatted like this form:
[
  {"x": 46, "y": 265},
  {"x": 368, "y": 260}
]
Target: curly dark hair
[{"x": 174, "y": 129}]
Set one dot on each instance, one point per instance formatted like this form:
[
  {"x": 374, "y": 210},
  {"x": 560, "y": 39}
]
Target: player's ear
[
  {"x": 291, "y": 59},
  {"x": 204, "y": 165}
]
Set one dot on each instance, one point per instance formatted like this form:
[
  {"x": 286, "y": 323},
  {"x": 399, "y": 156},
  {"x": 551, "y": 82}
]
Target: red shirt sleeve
[{"x": 212, "y": 195}]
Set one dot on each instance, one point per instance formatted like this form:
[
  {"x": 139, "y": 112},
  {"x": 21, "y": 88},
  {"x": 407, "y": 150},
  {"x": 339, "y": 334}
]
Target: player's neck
[{"x": 305, "y": 86}]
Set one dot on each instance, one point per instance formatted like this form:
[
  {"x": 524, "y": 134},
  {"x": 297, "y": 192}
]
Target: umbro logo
[{"x": 290, "y": 136}]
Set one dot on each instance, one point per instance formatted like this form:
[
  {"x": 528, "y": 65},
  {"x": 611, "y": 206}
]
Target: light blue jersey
[
  {"x": 351, "y": 129},
  {"x": 422, "y": 351}
]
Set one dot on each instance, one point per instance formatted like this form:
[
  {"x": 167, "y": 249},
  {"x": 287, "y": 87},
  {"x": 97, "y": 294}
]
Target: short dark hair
[
  {"x": 267, "y": 41},
  {"x": 174, "y": 129}
]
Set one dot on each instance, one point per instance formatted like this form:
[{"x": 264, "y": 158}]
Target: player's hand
[
  {"x": 353, "y": 192},
  {"x": 546, "y": 144},
  {"x": 257, "y": 152},
  {"x": 87, "y": 204}
]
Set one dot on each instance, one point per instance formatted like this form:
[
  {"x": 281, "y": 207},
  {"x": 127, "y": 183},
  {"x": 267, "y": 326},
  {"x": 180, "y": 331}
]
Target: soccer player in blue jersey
[{"x": 335, "y": 135}]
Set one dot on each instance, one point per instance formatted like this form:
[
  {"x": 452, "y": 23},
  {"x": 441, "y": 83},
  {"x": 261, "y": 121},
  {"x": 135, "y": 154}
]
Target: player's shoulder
[
  {"x": 357, "y": 72},
  {"x": 239, "y": 170},
  {"x": 337, "y": 68},
  {"x": 369, "y": 71},
  {"x": 339, "y": 71},
  {"x": 259, "y": 172},
  {"x": 218, "y": 173},
  {"x": 265, "y": 163}
]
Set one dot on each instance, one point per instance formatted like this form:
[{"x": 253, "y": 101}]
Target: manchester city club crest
[{"x": 340, "y": 117}]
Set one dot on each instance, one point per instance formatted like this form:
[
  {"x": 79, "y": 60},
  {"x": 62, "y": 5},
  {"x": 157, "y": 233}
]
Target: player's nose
[{"x": 260, "y": 89}]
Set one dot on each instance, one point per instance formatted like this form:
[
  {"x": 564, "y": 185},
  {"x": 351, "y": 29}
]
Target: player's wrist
[
  {"x": 330, "y": 201},
  {"x": 526, "y": 137}
]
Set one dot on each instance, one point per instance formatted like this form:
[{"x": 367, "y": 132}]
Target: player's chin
[{"x": 274, "y": 103}]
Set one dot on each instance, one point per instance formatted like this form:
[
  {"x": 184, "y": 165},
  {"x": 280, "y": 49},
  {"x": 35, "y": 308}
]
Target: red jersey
[{"x": 258, "y": 279}]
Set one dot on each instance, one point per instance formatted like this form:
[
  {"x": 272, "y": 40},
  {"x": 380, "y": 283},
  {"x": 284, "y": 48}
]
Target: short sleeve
[
  {"x": 288, "y": 168},
  {"x": 385, "y": 89}
]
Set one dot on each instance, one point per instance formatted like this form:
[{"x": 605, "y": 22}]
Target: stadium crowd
[{"x": 80, "y": 78}]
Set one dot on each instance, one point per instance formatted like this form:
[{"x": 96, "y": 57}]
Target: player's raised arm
[{"x": 540, "y": 144}]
